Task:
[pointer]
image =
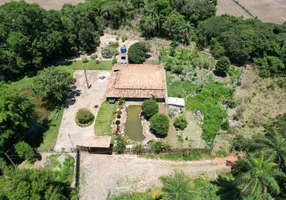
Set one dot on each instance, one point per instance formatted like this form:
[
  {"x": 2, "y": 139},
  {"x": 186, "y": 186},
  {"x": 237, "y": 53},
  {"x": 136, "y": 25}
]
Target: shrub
[
  {"x": 117, "y": 122},
  {"x": 97, "y": 62},
  {"x": 85, "y": 60},
  {"x": 137, "y": 52},
  {"x": 225, "y": 125},
  {"x": 160, "y": 124},
  {"x": 118, "y": 116},
  {"x": 114, "y": 61},
  {"x": 223, "y": 64},
  {"x": 150, "y": 108},
  {"x": 121, "y": 143},
  {"x": 124, "y": 38},
  {"x": 160, "y": 146},
  {"x": 25, "y": 151},
  {"x": 93, "y": 57},
  {"x": 84, "y": 117},
  {"x": 110, "y": 50},
  {"x": 138, "y": 149},
  {"x": 178, "y": 70},
  {"x": 180, "y": 123}
]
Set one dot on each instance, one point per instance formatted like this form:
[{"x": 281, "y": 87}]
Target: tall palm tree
[
  {"x": 258, "y": 177},
  {"x": 273, "y": 144},
  {"x": 178, "y": 187}
]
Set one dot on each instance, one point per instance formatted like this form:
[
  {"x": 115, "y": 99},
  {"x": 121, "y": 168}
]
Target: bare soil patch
[
  {"x": 49, "y": 4},
  {"x": 103, "y": 175},
  {"x": 266, "y": 10},
  {"x": 231, "y": 8}
]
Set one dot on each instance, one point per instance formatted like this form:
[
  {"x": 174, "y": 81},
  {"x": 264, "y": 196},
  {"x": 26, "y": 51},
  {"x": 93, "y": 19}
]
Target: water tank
[{"x": 123, "y": 49}]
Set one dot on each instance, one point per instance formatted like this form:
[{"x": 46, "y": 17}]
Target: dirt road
[{"x": 102, "y": 175}]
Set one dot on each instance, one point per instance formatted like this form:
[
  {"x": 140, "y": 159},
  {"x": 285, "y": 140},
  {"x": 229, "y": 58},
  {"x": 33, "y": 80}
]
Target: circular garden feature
[{"x": 84, "y": 117}]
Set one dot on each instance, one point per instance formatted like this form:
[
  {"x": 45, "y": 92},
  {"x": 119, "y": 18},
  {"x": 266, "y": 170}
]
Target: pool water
[{"x": 133, "y": 126}]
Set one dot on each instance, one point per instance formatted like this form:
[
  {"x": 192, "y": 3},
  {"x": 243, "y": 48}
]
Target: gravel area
[
  {"x": 102, "y": 175},
  {"x": 70, "y": 134}
]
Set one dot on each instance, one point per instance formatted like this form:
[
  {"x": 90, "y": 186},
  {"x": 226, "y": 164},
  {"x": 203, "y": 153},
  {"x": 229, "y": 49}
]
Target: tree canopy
[
  {"x": 150, "y": 108},
  {"x": 53, "y": 84},
  {"x": 29, "y": 184}
]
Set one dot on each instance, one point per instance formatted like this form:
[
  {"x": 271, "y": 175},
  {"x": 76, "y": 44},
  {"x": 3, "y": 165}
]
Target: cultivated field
[
  {"x": 266, "y": 10},
  {"x": 49, "y": 4},
  {"x": 231, "y": 8}
]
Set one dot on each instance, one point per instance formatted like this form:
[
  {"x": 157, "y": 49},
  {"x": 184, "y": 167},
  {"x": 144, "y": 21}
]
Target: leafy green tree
[
  {"x": 150, "y": 108},
  {"x": 273, "y": 144},
  {"x": 269, "y": 66},
  {"x": 175, "y": 26},
  {"x": 25, "y": 151},
  {"x": 160, "y": 124},
  {"x": 53, "y": 84},
  {"x": 195, "y": 10},
  {"x": 148, "y": 25},
  {"x": 15, "y": 116},
  {"x": 223, "y": 64},
  {"x": 181, "y": 123},
  {"x": 29, "y": 184},
  {"x": 178, "y": 187},
  {"x": 138, "y": 52},
  {"x": 257, "y": 176}
]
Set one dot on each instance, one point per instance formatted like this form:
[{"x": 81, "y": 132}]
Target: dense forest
[{"x": 32, "y": 38}]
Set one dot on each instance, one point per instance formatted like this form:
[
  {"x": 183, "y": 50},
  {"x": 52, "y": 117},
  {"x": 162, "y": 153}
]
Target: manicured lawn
[
  {"x": 104, "y": 119},
  {"x": 91, "y": 65}
]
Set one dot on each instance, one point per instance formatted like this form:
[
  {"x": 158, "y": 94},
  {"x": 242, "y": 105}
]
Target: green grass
[
  {"x": 179, "y": 89},
  {"x": 90, "y": 65},
  {"x": 64, "y": 171},
  {"x": 104, "y": 119},
  {"x": 179, "y": 156},
  {"x": 50, "y": 136}
]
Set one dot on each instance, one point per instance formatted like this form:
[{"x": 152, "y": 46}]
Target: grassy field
[
  {"x": 45, "y": 112},
  {"x": 104, "y": 119}
]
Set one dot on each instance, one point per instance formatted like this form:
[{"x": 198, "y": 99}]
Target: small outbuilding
[
  {"x": 97, "y": 144},
  {"x": 175, "y": 103}
]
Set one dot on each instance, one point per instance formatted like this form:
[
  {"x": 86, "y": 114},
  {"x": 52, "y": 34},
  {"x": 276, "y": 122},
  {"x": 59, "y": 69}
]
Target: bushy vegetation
[
  {"x": 246, "y": 40},
  {"x": 181, "y": 122},
  {"x": 208, "y": 101},
  {"x": 121, "y": 143},
  {"x": 25, "y": 151},
  {"x": 53, "y": 84},
  {"x": 223, "y": 64},
  {"x": 32, "y": 184},
  {"x": 84, "y": 117},
  {"x": 160, "y": 124},
  {"x": 110, "y": 50},
  {"x": 138, "y": 52},
  {"x": 150, "y": 108},
  {"x": 160, "y": 146},
  {"x": 16, "y": 112}
]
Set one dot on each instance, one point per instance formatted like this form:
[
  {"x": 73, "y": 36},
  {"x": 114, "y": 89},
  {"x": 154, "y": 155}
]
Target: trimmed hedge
[{"x": 84, "y": 117}]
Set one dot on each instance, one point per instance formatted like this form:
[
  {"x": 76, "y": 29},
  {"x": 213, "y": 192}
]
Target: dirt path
[
  {"x": 102, "y": 175},
  {"x": 70, "y": 134}
]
